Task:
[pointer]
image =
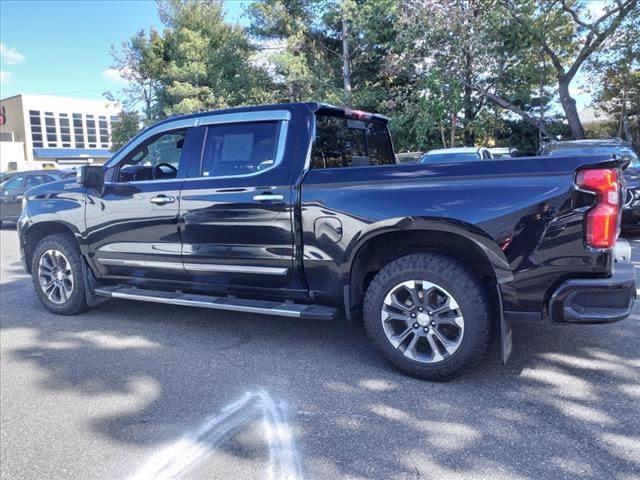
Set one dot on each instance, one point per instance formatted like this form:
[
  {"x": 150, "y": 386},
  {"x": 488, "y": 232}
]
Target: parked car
[
  {"x": 13, "y": 187},
  {"x": 408, "y": 157},
  {"x": 300, "y": 210},
  {"x": 503, "y": 152},
  {"x": 630, "y": 220},
  {"x": 458, "y": 154},
  {"x": 5, "y": 175}
]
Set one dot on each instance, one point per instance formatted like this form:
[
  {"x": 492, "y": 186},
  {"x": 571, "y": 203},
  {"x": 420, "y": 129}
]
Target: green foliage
[
  {"x": 446, "y": 73},
  {"x": 199, "y": 62},
  {"x": 124, "y": 129}
]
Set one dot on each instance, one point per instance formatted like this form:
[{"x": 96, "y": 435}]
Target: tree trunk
[
  {"x": 292, "y": 92},
  {"x": 453, "y": 129},
  {"x": 541, "y": 92},
  {"x": 623, "y": 112},
  {"x": 627, "y": 129},
  {"x": 443, "y": 137},
  {"x": 570, "y": 110},
  {"x": 467, "y": 102},
  {"x": 346, "y": 62}
]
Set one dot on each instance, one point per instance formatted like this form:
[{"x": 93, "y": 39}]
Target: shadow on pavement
[{"x": 566, "y": 406}]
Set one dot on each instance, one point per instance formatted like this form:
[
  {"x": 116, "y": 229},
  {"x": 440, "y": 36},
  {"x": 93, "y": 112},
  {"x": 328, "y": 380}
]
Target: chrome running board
[{"x": 232, "y": 304}]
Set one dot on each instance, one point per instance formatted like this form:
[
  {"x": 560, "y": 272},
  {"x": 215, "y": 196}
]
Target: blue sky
[{"x": 63, "y": 47}]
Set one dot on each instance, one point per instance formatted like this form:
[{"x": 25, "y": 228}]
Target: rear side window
[
  {"x": 342, "y": 142},
  {"x": 240, "y": 149}
]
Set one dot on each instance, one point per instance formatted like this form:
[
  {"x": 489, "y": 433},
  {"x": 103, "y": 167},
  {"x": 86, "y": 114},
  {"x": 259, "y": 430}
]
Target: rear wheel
[
  {"x": 428, "y": 316},
  {"x": 56, "y": 271}
]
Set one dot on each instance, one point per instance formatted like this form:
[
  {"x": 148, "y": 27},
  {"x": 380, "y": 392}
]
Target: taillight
[{"x": 601, "y": 220}]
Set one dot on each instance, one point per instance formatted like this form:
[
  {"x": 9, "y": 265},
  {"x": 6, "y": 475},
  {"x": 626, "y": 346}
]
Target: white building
[{"x": 43, "y": 131}]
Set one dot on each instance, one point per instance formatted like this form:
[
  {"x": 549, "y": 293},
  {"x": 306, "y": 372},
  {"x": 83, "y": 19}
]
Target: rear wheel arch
[{"x": 374, "y": 253}]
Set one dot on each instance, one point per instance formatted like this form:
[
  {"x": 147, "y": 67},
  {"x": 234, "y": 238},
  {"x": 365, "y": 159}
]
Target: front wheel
[
  {"x": 56, "y": 271},
  {"x": 428, "y": 316}
]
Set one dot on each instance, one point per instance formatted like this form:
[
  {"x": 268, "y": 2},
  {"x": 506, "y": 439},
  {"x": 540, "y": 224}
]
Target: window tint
[
  {"x": 164, "y": 149},
  {"x": 342, "y": 142},
  {"x": 14, "y": 183},
  {"x": 239, "y": 149},
  {"x": 35, "y": 180}
]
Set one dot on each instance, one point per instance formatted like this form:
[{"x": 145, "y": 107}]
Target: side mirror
[{"x": 90, "y": 176}]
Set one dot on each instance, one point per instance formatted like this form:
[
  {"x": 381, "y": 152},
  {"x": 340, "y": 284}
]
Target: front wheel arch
[{"x": 37, "y": 231}]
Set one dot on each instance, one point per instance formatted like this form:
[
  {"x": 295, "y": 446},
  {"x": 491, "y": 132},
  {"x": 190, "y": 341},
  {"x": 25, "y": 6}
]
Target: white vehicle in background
[
  {"x": 456, "y": 154},
  {"x": 503, "y": 152}
]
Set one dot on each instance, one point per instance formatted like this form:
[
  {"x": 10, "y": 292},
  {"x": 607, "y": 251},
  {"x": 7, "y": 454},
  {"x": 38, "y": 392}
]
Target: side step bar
[{"x": 294, "y": 310}]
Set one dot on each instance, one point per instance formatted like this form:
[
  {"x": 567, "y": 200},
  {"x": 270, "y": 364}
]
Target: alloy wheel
[
  {"x": 55, "y": 276},
  {"x": 422, "y": 321}
]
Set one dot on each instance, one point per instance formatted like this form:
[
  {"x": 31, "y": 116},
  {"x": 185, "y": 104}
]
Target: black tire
[
  {"x": 76, "y": 302},
  {"x": 467, "y": 291}
]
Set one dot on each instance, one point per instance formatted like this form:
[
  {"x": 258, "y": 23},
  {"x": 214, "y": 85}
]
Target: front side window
[
  {"x": 156, "y": 159},
  {"x": 342, "y": 142},
  {"x": 240, "y": 149},
  {"x": 14, "y": 183}
]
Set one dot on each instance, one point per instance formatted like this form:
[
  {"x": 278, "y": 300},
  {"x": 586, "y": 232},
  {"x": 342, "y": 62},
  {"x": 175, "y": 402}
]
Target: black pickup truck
[{"x": 301, "y": 210}]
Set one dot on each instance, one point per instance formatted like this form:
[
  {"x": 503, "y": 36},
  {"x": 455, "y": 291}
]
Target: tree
[
  {"x": 549, "y": 23},
  {"x": 139, "y": 62},
  {"x": 469, "y": 43},
  {"x": 292, "y": 41},
  {"x": 615, "y": 73},
  {"x": 124, "y": 129},
  {"x": 199, "y": 62}
]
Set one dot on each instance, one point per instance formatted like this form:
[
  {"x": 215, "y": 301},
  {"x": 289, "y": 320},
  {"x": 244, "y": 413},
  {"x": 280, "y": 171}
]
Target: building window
[
  {"x": 36, "y": 128},
  {"x": 78, "y": 131},
  {"x": 91, "y": 130},
  {"x": 92, "y": 145},
  {"x": 34, "y": 117},
  {"x": 65, "y": 130}
]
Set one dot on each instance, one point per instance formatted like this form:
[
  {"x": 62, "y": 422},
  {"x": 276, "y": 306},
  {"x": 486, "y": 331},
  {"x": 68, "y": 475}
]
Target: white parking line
[{"x": 173, "y": 461}]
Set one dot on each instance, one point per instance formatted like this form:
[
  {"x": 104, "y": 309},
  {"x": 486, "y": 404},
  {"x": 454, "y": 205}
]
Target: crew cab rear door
[{"x": 236, "y": 205}]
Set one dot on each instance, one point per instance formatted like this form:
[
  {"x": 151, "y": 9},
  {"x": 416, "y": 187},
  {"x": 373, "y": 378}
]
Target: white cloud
[
  {"x": 113, "y": 75},
  {"x": 4, "y": 76},
  {"x": 10, "y": 55}
]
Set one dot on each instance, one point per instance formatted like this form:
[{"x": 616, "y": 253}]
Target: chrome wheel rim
[
  {"x": 422, "y": 321},
  {"x": 55, "y": 276}
]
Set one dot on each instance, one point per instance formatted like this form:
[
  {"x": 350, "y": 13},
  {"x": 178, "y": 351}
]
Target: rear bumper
[{"x": 597, "y": 300}]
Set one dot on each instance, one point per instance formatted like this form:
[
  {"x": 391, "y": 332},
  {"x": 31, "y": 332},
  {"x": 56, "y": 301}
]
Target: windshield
[
  {"x": 449, "y": 157},
  {"x": 625, "y": 153}
]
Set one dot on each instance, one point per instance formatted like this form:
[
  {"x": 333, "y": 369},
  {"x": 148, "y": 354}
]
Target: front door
[
  {"x": 132, "y": 223},
  {"x": 11, "y": 193},
  {"x": 237, "y": 212}
]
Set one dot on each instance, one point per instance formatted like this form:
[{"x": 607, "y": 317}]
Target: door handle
[
  {"x": 268, "y": 197},
  {"x": 162, "y": 200}
]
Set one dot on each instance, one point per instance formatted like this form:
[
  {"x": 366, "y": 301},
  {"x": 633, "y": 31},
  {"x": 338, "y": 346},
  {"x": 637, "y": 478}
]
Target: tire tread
[{"x": 452, "y": 271}]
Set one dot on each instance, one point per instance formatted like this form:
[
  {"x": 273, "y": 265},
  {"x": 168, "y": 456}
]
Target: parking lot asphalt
[{"x": 134, "y": 390}]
